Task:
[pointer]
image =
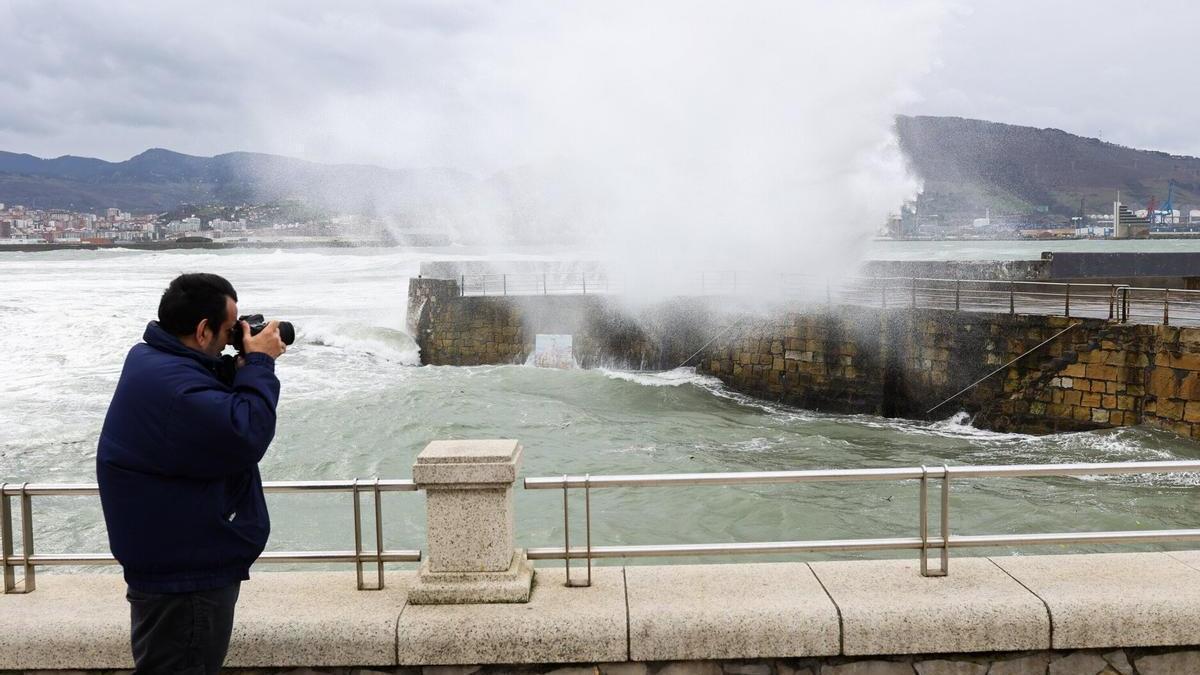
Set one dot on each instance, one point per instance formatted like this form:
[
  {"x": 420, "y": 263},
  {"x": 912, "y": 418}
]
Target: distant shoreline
[{"x": 217, "y": 245}]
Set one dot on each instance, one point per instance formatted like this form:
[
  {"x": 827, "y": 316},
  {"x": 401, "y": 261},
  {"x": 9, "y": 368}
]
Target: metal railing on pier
[
  {"x": 539, "y": 283},
  {"x": 1116, "y": 302},
  {"x": 1005, "y": 297},
  {"x": 922, "y": 541},
  {"x": 28, "y": 560},
  {"x": 1160, "y": 305}
]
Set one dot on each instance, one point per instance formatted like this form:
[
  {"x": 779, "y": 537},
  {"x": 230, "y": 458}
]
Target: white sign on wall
[{"x": 553, "y": 351}]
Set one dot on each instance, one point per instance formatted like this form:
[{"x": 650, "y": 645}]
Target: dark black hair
[{"x": 192, "y": 297}]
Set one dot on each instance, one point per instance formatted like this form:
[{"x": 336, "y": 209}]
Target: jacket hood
[{"x": 156, "y": 336}]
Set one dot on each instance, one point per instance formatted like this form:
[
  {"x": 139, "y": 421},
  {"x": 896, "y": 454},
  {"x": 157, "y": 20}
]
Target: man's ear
[{"x": 201, "y": 328}]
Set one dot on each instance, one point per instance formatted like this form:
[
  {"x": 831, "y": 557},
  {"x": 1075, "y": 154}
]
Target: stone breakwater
[
  {"x": 472, "y": 331},
  {"x": 893, "y": 362}
]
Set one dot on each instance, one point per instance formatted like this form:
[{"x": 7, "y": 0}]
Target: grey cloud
[
  {"x": 112, "y": 78},
  {"x": 1104, "y": 67},
  {"x": 211, "y": 73}
]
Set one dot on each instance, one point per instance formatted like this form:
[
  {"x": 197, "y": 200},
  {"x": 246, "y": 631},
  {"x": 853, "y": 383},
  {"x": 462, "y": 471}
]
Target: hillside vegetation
[{"x": 971, "y": 165}]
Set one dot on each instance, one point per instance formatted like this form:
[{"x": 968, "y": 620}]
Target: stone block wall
[
  {"x": 1121, "y": 376},
  {"x": 816, "y": 361},
  {"x": 903, "y": 363},
  {"x": 1173, "y": 383},
  {"x": 898, "y": 362},
  {"x": 478, "y": 330}
]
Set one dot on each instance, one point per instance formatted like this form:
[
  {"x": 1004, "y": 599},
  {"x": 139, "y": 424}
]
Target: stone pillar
[
  {"x": 468, "y": 488},
  {"x": 423, "y": 294}
]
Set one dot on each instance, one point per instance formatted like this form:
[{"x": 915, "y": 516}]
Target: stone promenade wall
[
  {"x": 1094, "y": 614},
  {"x": 1071, "y": 662}
]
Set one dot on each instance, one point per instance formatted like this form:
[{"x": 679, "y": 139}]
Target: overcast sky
[
  {"x": 1127, "y": 72},
  {"x": 358, "y": 81}
]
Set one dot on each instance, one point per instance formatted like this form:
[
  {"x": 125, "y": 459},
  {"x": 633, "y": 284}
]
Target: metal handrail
[
  {"x": 924, "y": 542},
  {"x": 533, "y": 283},
  {"x": 819, "y": 475},
  {"x": 1159, "y": 299},
  {"x": 27, "y": 559},
  {"x": 990, "y": 281},
  {"x": 1050, "y": 297},
  {"x": 1058, "y": 298}
]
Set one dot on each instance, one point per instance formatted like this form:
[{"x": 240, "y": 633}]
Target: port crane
[{"x": 1165, "y": 215}]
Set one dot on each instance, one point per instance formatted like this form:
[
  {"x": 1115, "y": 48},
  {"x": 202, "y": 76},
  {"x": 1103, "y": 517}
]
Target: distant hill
[
  {"x": 969, "y": 165},
  {"x": 160, "y": 180}
]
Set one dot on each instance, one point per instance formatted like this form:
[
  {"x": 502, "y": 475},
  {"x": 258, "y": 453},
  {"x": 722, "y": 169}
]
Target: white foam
[
  {"x": 959, "y": 425},
  {"x": 378, "y": 341},
  {"x": 532, "y": 362},
  {"x": 667, "y": 378}
]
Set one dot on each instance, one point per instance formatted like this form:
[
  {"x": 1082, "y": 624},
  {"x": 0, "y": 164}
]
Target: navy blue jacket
[{"x": 178, "y": 466}]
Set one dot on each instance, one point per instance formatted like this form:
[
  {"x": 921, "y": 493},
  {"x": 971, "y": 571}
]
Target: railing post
[
  {"x": 583, "y": 278},
  {"x": 957, "y": 293},
  {"x": 1067, "y": 307},
  {"x": 1012, "y": 298},
  {"x": 923, "y": 520},
  {"x": 462, "y": 285},
  {"x": 29, "y": 582},
  {"x": 545, "y": 290},
  {"x": 1112, "y": 300},
  {"x": 1166, "y": 306},
  {"x": 504, "y": 284},
  {"x": 945, "y": 520},
  {"x": 469, "y": 524},
  {"x": 6, "y": 540},
  {"x": 587, "y": 491},
  {"x": 359, "y": 557},
  {"x": 945, "y": 524},
  {"x": 378, "y": 532}
]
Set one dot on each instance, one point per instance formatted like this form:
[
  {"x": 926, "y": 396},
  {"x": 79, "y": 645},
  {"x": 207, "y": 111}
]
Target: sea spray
[{"x": 664, "y": 139}]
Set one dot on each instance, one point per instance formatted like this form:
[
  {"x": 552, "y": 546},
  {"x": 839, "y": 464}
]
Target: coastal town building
[{"x": 21, "y": 226}]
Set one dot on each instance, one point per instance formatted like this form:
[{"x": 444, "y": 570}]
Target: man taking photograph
[{"x": 177, "y": 466}]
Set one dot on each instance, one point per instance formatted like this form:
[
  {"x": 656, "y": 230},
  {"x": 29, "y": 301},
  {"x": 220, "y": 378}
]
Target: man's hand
[{"x": 267, "y": 342}]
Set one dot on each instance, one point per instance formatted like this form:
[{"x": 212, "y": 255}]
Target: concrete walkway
[{"x": 641, "y": 613}]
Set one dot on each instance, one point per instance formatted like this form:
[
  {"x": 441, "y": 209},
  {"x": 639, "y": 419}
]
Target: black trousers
[{"x": 181, "y": 632}]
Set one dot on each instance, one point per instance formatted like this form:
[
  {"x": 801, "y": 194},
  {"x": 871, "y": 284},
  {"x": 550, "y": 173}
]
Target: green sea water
[{"x": 355, "y": 404}]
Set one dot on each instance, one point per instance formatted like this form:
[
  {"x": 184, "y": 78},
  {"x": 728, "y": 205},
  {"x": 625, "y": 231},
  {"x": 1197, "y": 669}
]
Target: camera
[{"x": 287, "y": 332}]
